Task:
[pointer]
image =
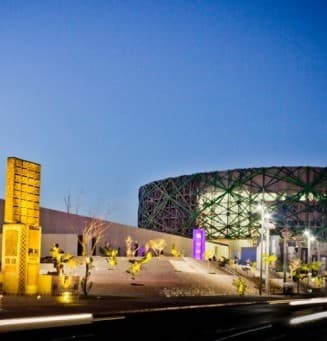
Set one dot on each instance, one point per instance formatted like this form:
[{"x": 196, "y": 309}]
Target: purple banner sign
[{"x": 198, "y": 243}]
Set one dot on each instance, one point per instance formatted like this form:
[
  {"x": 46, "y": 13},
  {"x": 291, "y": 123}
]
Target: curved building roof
[{"x": 225, "y": 202}]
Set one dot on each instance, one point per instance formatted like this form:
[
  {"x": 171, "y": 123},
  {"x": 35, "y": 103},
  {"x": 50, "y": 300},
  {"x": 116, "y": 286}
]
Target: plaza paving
[{"x": 161, "y": 276}]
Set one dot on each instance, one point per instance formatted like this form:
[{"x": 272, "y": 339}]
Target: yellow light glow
[{"x": 66, "y": 297}]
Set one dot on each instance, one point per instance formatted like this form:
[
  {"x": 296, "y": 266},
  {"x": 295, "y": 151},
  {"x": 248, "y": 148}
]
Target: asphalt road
[{"x": 213, "y": 318}]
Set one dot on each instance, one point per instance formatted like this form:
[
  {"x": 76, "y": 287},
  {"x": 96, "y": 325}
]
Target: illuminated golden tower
[{"x": 21, "y": 240}]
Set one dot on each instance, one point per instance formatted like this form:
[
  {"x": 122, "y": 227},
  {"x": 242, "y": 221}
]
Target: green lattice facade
[{"x": 225, "y": 203}]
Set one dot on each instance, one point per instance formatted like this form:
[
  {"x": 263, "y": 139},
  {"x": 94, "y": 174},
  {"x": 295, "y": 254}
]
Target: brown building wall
[{"x": 56, "y": 224}]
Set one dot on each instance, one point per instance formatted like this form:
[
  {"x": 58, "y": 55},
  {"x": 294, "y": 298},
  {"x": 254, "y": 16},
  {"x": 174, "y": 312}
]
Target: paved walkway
[{"x": 162, "y": 276}]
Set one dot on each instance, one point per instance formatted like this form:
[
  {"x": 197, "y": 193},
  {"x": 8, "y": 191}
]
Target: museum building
[{"x": 225, "y": 203}]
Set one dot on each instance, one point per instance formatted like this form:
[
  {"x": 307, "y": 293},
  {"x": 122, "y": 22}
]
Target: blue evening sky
[{"x": 110, "y": 95}]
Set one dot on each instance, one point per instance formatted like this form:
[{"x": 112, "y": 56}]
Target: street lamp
[
  {"x": 268, "y": 226},
  {"x": 265, "y": 228},
  {"x": 261, "y": 208}
]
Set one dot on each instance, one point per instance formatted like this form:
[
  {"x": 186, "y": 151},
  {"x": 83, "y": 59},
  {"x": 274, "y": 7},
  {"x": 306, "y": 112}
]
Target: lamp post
[
  {"x": 261, "y": 208},
  {"x": 286, "y": 234},
  {"x": 261, "y": 254},
  {"x": 268, "y": 226},
  {"x": 265, "y": 228}
]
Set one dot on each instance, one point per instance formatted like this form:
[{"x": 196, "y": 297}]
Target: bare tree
[
  {"x": 92, "y": 236},
  {"x": 93, "y": 233},
  {"x": 68, "y": 203},
  {"x": 92, "y": 229}
]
